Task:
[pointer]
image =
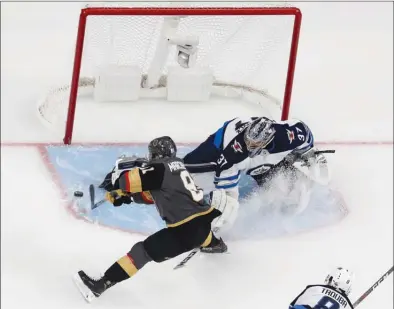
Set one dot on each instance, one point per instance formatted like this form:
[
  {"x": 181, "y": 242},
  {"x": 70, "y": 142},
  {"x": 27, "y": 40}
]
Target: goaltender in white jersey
[
  {"x": 333, "y": 294},
  {"x": 257, "y": 146}
]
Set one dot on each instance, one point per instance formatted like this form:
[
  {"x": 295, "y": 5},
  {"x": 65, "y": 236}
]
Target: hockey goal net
[{"x": 129, "y": 53}]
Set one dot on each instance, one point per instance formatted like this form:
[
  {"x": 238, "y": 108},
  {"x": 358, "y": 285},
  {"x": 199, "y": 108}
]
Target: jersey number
[
  {"x": 301, "y": 137},
  {"x": 222, "y": 160},
  {"x": 327, "y": 303},
  {"x": 188, "y": 182}
]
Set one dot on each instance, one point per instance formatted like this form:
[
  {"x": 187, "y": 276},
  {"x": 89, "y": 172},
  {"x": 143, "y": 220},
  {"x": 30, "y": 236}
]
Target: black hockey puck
[{"x": 78, "y": 193}]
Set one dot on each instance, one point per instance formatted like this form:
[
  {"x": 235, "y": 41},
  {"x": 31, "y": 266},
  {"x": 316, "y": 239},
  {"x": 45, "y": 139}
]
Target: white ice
[{"x": 343, "y": 89}]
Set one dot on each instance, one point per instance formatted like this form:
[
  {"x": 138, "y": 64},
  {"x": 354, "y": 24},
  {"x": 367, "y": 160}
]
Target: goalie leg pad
[{"x": 227, "y": 205}]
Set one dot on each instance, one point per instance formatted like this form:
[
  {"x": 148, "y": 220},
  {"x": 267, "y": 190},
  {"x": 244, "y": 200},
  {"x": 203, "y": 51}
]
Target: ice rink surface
[{"x": 343, "y": 90}]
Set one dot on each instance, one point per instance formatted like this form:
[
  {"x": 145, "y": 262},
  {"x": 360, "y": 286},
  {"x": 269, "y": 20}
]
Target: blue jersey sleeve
[
  {"x": 300, "y": 307},
  {"x": 309, "y": 140},
  {"x": 291, "y": 135}
]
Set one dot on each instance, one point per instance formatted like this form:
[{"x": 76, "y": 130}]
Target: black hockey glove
[
  {"x": 303, "y": 155},
  {"x": 118, "y": 197}
]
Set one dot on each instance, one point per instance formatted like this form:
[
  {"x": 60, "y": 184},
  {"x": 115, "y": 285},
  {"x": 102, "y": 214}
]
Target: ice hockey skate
[
  {"x": 90, "y": 288},
  {"x": 216, "y": 246}
]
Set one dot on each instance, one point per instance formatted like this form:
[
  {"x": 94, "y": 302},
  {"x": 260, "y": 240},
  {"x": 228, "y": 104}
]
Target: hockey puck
[{"x": 78, "y": 193}]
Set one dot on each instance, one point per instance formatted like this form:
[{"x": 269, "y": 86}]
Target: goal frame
[{"x": 168, "y": 11}]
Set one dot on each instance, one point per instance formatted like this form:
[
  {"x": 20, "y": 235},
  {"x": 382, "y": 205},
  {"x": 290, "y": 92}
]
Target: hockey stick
[
  {"x": 373, "y": 287},
  {"x": 186, "y": 259},
  {"x": 92, "y": 195},
  {"x": 98, "y": 203},
  {"x": 324, "y": 151},
  {"x": 191, "y": 254}
]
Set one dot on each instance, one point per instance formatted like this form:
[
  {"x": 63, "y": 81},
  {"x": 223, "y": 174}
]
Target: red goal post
[{"x": 166, "y": 11}]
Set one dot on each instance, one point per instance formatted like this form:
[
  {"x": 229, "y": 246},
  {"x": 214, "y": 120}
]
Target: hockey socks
[
  {"x": 128, "y": 265},
  {"x": 121, "y": 270}
]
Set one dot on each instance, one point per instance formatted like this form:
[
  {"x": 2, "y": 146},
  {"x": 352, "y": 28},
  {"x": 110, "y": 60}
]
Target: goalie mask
[
  {"x": 258, "y": 135},
  {"x": 162, "y": 147},
  {"x": 341, "y": 279}
]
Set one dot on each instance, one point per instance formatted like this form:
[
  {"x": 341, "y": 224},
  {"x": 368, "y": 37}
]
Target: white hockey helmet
[
  {"x": 258, "y": 135},
  {"x": 341, "y": 279}
]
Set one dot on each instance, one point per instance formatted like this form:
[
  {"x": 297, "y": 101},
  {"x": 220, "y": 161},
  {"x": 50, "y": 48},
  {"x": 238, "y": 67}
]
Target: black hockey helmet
[{"x": 162, "y": 147}]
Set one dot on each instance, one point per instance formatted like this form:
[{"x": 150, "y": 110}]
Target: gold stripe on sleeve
[{"x": 134, "y": 180}]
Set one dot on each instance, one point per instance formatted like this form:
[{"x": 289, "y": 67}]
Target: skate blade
[
  {"x": 83, "y": 289},
  {"x": 215, "y": 253}
]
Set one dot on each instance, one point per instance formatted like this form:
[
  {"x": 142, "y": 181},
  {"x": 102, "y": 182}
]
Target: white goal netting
[{"x": 248, "y": 55}]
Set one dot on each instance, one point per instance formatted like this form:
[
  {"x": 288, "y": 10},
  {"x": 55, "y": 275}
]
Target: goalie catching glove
[{"x": 313, "y": 164}]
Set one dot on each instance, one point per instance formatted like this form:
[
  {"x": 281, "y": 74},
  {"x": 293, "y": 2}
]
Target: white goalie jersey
[
  {"x": 321, "y": 297},
  {"x": 291, "y": 135},
  {"x": 225, "y": 152}
]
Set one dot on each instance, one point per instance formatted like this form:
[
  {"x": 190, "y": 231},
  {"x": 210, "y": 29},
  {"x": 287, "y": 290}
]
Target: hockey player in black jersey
[
  {"x": 333, "y": 294},
  {"x": 165, "y": 181}
]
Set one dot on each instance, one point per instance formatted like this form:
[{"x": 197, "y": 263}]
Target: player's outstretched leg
[
  {"x": 158, "y": 247},
  {"x": 91, "y": 288},
  {"x": 124, "y": 268},
  {"x": 215, "y": 246}
]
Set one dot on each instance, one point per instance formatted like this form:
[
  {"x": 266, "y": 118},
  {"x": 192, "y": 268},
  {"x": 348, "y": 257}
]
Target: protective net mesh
[{"x": 249, "y": 53}]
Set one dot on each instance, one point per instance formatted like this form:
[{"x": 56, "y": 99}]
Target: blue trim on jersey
[
  {"x": 309, "y": 140},
  {"x": 306, "y": 147},
  {"x": 228, "y": 178},
  {"x": 297, "y": 307},
  {"x": 309, "y": 135},
  {"x": 312, "y": 138},
  {"x": 272, "y": 147},
  {"x": 219, "y": 135},
  {"x": 227, "y": 186}
]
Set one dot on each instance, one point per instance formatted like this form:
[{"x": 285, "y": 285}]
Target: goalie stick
[
  {"x": 373, "y": 287},
  {"x": 324, "y": 151}
]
